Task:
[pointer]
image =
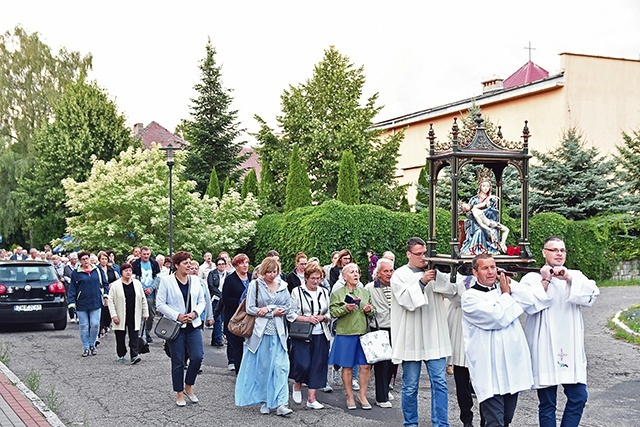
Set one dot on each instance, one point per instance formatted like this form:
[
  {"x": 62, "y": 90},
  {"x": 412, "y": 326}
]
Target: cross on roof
[{"x": 530, "y": 49}]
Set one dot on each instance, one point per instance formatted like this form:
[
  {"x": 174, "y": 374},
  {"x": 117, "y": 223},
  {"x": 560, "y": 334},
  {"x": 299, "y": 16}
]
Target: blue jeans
[
  {"x": 216, "y": 335},
  {"x": 439, "y": 394},
  {"x": 189, "y": 341},
  {"x": 576, "y": 399},
  {"x": 89, "y": 327}
]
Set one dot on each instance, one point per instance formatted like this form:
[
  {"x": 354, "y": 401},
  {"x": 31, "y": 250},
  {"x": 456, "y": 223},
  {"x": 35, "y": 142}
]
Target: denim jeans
[
  {"x": 89, "y": 327},
  {"x": 189, "y": 340},
  {"x": 576, "y": 399},
  {"x": 439, "y": 394},
  {"x": 216, "y": 334}
]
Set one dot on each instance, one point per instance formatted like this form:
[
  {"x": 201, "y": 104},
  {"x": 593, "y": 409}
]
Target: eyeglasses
[
  {"x": 419, "y": 254},
  {"x": 84, "y": 258},
  {"x": 556, "y": 250},
  {"x": 346, "y": 257},
  {"x": 314, "y": 278},
  {"x": 221, "y": 263}
]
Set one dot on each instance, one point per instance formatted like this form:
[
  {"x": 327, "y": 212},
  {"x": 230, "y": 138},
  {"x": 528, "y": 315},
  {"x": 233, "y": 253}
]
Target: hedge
[{"x": 595, "y": 246}]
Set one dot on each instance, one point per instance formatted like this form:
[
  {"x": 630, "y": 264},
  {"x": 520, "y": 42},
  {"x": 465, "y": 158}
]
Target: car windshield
[{"x": 26, "y": 273}]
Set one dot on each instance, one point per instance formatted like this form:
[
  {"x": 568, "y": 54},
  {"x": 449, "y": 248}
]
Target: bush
[
  {"x": 588, "y": 246},
  {"x": 319, "y": 230}
]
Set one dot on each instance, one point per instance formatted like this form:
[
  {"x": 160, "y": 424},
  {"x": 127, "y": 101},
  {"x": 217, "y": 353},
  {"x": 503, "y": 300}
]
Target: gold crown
[{"x": 484, "y": 175}]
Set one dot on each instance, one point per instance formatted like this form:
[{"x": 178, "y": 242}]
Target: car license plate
[{"x": 34, "y": 307}]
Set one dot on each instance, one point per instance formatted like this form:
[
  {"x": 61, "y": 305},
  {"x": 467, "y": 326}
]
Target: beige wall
[{"x": 601, "y": 96}]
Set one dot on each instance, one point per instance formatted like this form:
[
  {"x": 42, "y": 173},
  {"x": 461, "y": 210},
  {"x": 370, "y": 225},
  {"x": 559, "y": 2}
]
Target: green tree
[
  {"x": 274, "y": 159},
  {"x": 628, "y": 160},
  {"x": 124, "y": 203},
  {"x": 213, "y": 189},
  {"x": 250, "y": 184},
  {"x": 32, "y": 79},
  {"x": 574, "y": 181},
  {"x": 325, "y": 116},
  {"x": 422, "y": 198},
  {"x": 227, "y": 186},
  {"x": 348, "y": 189},
  {"x": 267, "y": 191},
  {"x": 213, "y": 129},
  {"x": 86, "y": 124},
  {"x": 298, "y": 193}
]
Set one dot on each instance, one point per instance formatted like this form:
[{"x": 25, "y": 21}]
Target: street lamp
[{"x": 169, "y": 152}]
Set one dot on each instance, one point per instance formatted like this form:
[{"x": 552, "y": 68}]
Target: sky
[{"x": 416, "y": 54}]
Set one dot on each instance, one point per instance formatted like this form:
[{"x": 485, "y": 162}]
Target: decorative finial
[
  {"x": 499, "y": 131},
  {"x": 432, "y": 139},
  {"x": 455, "y": 129},
  {"x": 525, "y": 131},
  {"x": 479, "y": 120}
]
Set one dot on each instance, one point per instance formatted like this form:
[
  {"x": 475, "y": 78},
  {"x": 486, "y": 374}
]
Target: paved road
[{"x": 97, "y": 392}]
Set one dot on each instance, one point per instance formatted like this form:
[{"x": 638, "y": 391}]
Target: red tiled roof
[
  {"x": 153, "y": 132},
  {"x": 528, "y": 73},
  {"x": 252, "y": 162}
]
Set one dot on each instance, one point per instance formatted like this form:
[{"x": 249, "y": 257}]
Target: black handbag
[
  {"x": 167, "y": 329},
  {"x": 301, "y": 331}
]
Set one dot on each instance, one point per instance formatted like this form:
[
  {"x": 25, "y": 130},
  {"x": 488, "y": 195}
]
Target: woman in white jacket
[
  {"x": 127, "y": 308},
  {"x": 181, "y": 299}
]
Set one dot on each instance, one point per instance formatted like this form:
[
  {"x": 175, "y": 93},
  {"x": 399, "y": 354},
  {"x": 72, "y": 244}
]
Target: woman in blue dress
[
  {"x": 264, "y": 371},
  {"x": 484, "y": 232}
]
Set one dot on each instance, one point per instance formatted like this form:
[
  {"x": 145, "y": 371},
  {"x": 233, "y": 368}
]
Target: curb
[
  {"x": 37, "y": 403},
  {"x": 618, "y": 323}
]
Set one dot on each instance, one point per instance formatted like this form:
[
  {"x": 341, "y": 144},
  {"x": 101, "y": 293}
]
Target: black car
[{"x": 31, "y": 292}]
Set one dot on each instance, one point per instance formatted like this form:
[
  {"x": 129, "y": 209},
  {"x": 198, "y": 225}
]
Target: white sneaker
[
  {"x": 384, "y": 404},
  {"x": 264, "y": 409},
  {"x": 283, "y": 410},
  {"x": 315, "y": 405},
  {"x": 297, "y": 396},
  {"x": 327, "y": 388},
  {"x": 336, "y": 376},
  {"x": 391, "y": 396},
  {"x": 231, "y": 367},
  {"x": 354, "y": 385}
]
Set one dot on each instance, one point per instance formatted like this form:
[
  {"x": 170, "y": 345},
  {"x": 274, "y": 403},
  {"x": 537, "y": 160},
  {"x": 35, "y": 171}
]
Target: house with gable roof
[{"x": 598, "y": 95}]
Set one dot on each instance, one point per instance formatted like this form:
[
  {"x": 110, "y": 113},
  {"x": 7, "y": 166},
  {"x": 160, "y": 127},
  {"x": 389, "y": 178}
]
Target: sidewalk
[{"x": 20, "y": 407}]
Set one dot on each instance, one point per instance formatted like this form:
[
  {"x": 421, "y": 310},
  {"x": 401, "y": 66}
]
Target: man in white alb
[
  {"x": 555, "y": 333},
  {"x": 495, "y": 346}
]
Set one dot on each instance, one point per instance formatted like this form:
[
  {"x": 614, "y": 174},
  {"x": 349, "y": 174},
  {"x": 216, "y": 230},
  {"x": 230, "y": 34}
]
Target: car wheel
[{"x": 60, "y": 324}]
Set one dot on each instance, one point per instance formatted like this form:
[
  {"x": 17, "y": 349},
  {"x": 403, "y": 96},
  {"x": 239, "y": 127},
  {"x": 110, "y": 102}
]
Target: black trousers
[
  {"x": 498, "y": 410},
  {"x": 121, "y": 349},
  {"x": 383, "y": 373},
  {"x": 463, "y": 393},
  {"x": 235, "y": 346}
]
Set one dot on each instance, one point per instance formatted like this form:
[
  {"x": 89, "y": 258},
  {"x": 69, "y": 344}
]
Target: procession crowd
[{"x": 309, "y": 325}]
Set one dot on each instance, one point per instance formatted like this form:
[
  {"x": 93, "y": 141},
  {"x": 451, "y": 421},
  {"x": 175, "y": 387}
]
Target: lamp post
[{"x": 169, "y": 152}]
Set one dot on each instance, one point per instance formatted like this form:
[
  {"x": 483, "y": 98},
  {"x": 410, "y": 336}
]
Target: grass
[
  {"x": 33, "y": 381},
  {"x": 52, "y": 400},
  {"x": 5, "y": 353},
  {"x": 610, "y": 282},
  {"x": 631, "y": 318}
]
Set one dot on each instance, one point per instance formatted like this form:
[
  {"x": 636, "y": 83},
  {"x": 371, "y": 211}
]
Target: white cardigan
[
  {"x": 170, "y": 303},
  {"x": 118, "y": 306}
]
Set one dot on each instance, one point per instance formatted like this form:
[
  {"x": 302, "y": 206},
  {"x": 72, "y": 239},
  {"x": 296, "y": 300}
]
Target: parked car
[{"x": 31, "y": 292}]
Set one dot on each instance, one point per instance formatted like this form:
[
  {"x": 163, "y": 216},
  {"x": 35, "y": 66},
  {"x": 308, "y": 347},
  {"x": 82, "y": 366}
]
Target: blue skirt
[
  {"x": 347, "y": 352},
  {"x": 264, "y": 375}
]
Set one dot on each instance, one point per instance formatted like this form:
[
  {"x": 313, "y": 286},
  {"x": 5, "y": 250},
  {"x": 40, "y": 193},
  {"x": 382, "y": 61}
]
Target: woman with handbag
[
  {"x": 182, "y": 301},
  {"x": 310, "y": 351},
  {"x": 235, "y": 286},
  {"x": 351, "y": 305},
  {"x": 380, "y": 290},
  {"x": 263, "y": 375},
  {"x": 128, "y": 308}
]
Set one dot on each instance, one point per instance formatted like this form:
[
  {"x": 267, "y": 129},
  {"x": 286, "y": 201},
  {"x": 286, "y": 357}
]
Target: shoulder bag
[
  {"x": 376, "y": 345},
  {"x": 241, "y": 323},
  {"x": 168, "y": 329},
  {"x": 301, "y": 330}
]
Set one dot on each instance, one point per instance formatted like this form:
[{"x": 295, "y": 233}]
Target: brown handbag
[{"x": 241, "y": 323}]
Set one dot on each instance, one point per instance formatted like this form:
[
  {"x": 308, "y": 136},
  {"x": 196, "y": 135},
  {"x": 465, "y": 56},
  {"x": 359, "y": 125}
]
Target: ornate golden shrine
[{"x": 495, "y": 155}]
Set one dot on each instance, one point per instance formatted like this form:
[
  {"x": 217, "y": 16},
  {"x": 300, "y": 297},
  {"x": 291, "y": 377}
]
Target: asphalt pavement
[{"x": 98, "y": 392}]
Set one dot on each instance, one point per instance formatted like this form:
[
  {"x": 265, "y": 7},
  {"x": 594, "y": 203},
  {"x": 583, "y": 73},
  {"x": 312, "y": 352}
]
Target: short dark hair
[
  {"x": 221, "y": 259},
  {"x": 125, "y": 266},
  {"x": 474, "y": 262},
  {"x": 414, "y": 241},
  {"x": 83, "y": 254},
  {"x": 552, "y": 239},
  {"x": 180, "y": 256},
  {"x": 273, "y": 253}
]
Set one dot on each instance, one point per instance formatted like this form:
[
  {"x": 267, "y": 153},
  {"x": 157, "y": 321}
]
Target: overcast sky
[{"x": 416, "y": 54}]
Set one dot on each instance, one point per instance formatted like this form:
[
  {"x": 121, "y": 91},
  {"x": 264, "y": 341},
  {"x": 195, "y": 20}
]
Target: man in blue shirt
[{"x": 146, "y": 270}]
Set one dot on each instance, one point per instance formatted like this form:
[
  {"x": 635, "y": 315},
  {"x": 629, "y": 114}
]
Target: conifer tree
[
  {"x": 250, "y": 184},
  {"x": 348, "y": 190},
  {"x": 574, "y": 181},
  {"x": 227, "y": 186},
  {"x": 266, "y": 191},
  {"x": 213, "y": 189},
  {"x": 422, "y": 198},
  {"x": 213, "y": 130},
  {"x": 298, "y": 193},
  {"x": 628, "y": 159}
]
